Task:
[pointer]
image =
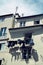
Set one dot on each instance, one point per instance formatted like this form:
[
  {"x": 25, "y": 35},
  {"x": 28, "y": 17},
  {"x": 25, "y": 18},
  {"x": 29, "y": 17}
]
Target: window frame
[
  {"x": 22, "y": 23},
  {"x": 1, "y": 48},
  {"x": 3, "y": 33}
]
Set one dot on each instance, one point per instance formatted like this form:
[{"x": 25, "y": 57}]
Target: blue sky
[{"x": 27, "y": 7}]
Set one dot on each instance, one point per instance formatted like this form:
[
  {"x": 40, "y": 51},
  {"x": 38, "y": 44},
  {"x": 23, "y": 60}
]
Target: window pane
[
  {"x": 2, "y": 19},
  {"x": 36, "y": 22},
  {"x": 23, "y": 23},
  {"x": 20, "y": 24},
  {"x": 2, "y": 46},
  {"x": 3, "y": 30},
  {"x": 0, "y": 33}
]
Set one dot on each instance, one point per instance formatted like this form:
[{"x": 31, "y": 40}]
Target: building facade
[{"x": 21, "y": 39}]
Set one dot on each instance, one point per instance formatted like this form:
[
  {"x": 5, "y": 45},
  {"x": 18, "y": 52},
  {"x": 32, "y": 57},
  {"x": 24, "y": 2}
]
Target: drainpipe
[{"x": 13, "y": 22}]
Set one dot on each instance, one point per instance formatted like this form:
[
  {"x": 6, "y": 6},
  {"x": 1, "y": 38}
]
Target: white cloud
[{"x": 25, "y": 6}]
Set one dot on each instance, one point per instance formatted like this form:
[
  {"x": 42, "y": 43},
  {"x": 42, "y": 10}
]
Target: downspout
[{"x": 13, "y": 22}]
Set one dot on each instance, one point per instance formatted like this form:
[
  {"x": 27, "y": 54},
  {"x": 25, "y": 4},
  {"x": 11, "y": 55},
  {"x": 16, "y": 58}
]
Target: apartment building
[{"x": 21, "y": 39}]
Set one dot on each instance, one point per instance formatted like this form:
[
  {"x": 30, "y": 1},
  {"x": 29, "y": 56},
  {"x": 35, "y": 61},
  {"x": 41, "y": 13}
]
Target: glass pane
[
  {"x": 3, "y": 30},
  {"x": 36, "y": 22},
  {"x": 2, "y": 46},
  {"x": 23, "y": 23},
  {"x": 20, "y": 24}
]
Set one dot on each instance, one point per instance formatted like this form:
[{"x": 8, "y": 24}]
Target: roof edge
[
  {"x": 26, "y": 27},
  {"x": 6, "y": 15},
  {"x": 30, "y": 16}
]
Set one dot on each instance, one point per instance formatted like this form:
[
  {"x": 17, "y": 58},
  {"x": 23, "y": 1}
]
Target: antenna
[
  {"x": 16, "y": 9},
  {"x": 14, "y": 17}
]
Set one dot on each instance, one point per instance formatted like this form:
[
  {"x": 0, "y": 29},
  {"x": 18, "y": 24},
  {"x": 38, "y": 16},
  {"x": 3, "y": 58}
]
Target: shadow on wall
[
  {"x": 25, "y": 55},
  {"x": 14, "y": 53},
  {"x": 17, "y": 55},
  {"x": 35, "y": 55},
  {"x": 41, "y": 56}
]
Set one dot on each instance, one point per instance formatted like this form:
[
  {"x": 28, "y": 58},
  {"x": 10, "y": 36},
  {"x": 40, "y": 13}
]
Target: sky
[{"x": 26, "y": 7}]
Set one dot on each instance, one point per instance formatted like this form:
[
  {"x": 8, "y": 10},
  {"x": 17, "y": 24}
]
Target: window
[
  {"x": 2, "y": 31},
  {"x": 22, "y": 24},
  {"x": 1, "y": 20},
  {"x": 0, "y": 62},
  {"x": 2, "y": 46},
  {"x": 36, "y": 22}
]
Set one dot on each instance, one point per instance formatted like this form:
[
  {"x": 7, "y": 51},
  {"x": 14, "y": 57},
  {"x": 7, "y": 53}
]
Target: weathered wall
[
  {"x": 37, "y": 52},
  {"x": 37, "y": 48},
  {"x": 29, "y": 21}
]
